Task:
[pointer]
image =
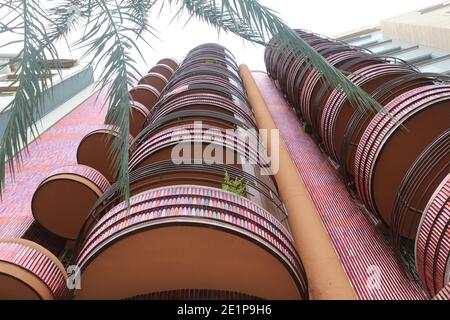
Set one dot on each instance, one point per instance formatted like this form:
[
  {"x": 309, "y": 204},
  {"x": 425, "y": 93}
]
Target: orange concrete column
[{"x": 326, "y": 276}]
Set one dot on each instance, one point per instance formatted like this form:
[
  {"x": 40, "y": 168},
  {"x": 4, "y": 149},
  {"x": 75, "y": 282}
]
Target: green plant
[
  {"x": 236, "y": 185},
  {"x": 109, "y": 31}
]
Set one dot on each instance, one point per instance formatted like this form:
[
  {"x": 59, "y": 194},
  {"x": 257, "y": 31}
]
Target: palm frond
[
  {"x": 140, "y": 10},
  {"x": 65, "y": 16}
]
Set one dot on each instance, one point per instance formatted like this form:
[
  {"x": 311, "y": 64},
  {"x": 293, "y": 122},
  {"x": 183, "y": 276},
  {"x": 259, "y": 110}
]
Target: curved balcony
[
  {"x": 173, "y": 63},
  {"x": 30, "y": 272},
  {"x": 362, "y": 117},
  {"x": 272, "y": 52},
  {"x": 213, "y": 59},
  {"x": 157, "y": 246},
  {"x": 317, "y": 104},
  {"x": 156, "y": 80},
  {"x": 212, "y": 46},
  {"x": 223, "y": 52},
  {"x": 205, "y": 72},
  {"x": 207, "y": 85},
  {"x": 205, "y": 82},
  {"x": 145, "y": 94},
  {"x": 138, "y": 117},
  {"x": 417, "y": 186},
  {"x": 209, "y": 58},
  {"x": 207, "y": 68},
  {"x": 287, "y": 59},
  {"x": 314, "y": 82},
  {"x": 202, "y": 101},
  {"x": 220, "y": 63},
  {"x": 260, "y": 189},
  {"x": 62, "y": 201},
  {"x": 163, "y": 69},
  {"x": 186, "y": 117},
  {"x": 338, "y": 110}
]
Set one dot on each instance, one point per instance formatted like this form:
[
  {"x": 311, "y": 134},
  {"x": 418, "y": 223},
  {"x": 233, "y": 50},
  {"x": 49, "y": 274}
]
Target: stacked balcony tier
[{"x": 394, "y": 156}]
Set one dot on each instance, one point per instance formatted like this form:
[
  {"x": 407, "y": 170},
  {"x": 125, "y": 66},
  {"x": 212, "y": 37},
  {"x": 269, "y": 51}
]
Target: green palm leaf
[{"x": 112, "y": 31}]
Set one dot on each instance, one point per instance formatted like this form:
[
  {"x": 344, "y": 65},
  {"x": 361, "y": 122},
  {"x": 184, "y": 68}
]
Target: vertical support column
[{"x": 326, "y": 276}]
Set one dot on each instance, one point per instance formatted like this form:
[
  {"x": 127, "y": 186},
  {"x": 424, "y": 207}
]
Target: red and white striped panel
[
  {"x": 336, "y": 100},
  {"x": 201, "y": 99},
  {"x": 365, "y": 255},
  {"x": 444, "y": 294}
]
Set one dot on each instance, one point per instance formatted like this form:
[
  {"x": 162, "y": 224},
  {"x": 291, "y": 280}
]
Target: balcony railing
[{"x": 190, "y": 209}]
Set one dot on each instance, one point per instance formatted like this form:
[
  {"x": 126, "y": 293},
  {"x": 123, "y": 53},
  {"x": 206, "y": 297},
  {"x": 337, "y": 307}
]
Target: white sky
[{"x": 328, "y": 17}]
